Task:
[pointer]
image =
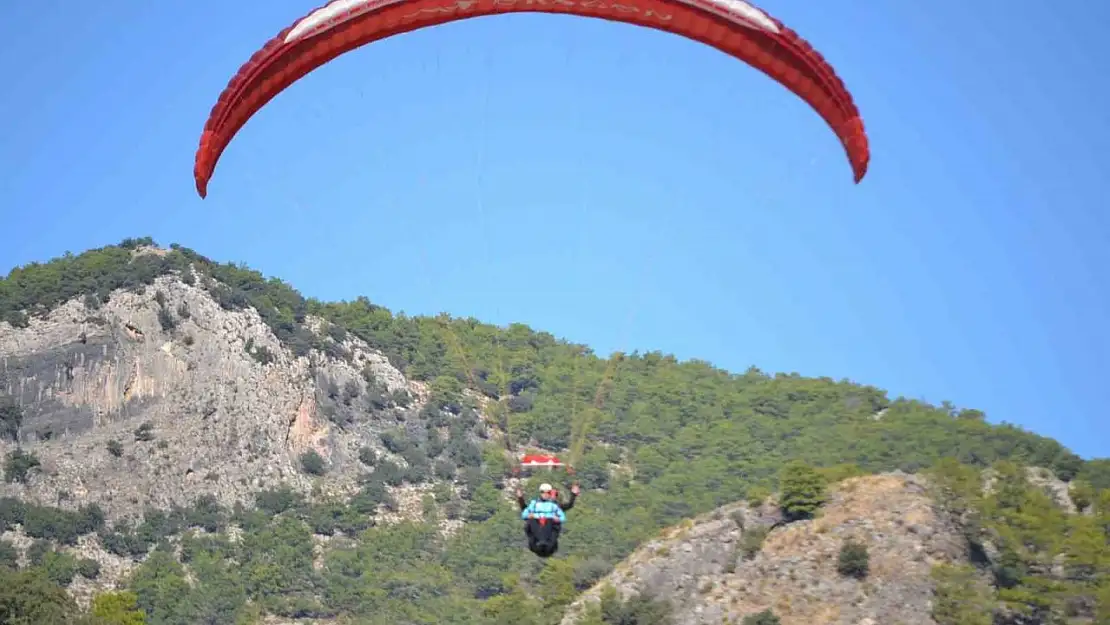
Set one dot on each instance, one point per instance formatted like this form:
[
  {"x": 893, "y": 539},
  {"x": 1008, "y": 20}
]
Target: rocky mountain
[
  {"x": 159, "y": 398},
  {"x": 892, "y": 548},
  {"x": 232, "y": 452},
  {"x": 199, "y": 400},
  {"x": 741, "y": 560}
]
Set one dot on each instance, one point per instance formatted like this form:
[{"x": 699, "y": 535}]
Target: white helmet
[{"x": 545, "y": 487}]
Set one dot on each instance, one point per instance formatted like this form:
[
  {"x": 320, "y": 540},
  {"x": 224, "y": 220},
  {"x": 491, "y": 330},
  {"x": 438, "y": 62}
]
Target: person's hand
[
  {"x": 575, "y": 490},
  {"x": 519, "y": 492},
  {"x": 531, "y": 516}
]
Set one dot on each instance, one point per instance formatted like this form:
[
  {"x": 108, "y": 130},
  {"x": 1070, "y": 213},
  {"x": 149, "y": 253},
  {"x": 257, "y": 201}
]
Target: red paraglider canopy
[
  {"x": 537, "y": 460},
  {"x": 734, "y": 27}
]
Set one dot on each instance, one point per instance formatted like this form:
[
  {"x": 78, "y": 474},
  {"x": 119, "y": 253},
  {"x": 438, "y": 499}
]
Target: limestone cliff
[{"x": 229, "y": 410}]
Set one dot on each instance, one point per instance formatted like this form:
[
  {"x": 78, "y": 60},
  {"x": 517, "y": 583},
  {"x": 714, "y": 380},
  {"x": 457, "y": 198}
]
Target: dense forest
[{"x": 654, "y": 440}]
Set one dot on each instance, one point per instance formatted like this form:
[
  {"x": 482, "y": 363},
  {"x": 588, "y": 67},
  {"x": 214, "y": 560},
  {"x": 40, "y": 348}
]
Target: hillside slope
[
  {"x": 171, "y": 418},
  {"x": 954, "y": 547},
  {"x": 701, "y": 567}
]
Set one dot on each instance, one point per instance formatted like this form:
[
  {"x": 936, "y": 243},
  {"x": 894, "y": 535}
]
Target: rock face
[
  {"x": 701, "y": 566},
  {"x": 222, "y": 420}
]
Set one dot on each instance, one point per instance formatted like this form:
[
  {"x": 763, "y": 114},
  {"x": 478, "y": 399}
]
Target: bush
[
  {"x": 115, "y": 448},
  {"x": 1082, "y": 494},
  {"x": 206, "y": 512},
  {"x": 752, "y": 541},
  {"x": 400, "y": 397},
  {"x": 521, "y": 403},
  {"x": 854, "y": 560},
  {"x": 372, "y": 495},
  {"x": 313, "y": 463},
  {"x": 166, "y": 320},
  {"x": 18, "y": 465},
  {"x": 766, "y": 617},
  {"x": 9, "y": 555},
  {"x": 276, "y": 501},
  {"x": 395, "y": 441},
  {"x": 637, "y": 609},
  {"x": 11, "y": 419},
  {"x": 145, "y": 432},
  {"x": 88, "y": 568},
  {"x": 445, "y": 469},
  {"x": 390, "y": 473},
  {"x": 757, "y": 495}
]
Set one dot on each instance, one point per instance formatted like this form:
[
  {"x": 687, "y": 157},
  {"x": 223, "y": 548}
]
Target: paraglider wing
[
  {"x": 536, "y": 460},
  {"x": 734, "y": 27}
]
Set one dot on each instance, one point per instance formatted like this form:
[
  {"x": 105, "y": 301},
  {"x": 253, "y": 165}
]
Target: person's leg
[
  {"x": 532, "y": 531},
  {"x": 553, "y": 540}
]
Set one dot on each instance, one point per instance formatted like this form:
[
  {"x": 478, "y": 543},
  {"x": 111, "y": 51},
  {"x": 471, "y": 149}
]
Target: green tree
[
  {"x": 960, "y": 599},
  {"x": 515, "y": 607},
  {"x": 30, "y": 597},
  {"x": 162, "y": 591},
  {"x": 118, "y": 608},
  {"x": 803, "y": 490},
  {"x": 1082, "y": 494},
  {"x": 556, "y": 585},
  {"x": 484, "y": 503}
]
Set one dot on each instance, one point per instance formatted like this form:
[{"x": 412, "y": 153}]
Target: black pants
[{"x": 543, "y": 538}]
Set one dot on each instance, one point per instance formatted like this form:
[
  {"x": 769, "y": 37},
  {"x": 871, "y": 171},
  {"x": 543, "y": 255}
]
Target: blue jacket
[{"x": 544, "y": 509}]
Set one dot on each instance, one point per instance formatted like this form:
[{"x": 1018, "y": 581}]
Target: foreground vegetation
[
  {"x": 655, "y": 440},
  {"x": 1034, "y": 563}
]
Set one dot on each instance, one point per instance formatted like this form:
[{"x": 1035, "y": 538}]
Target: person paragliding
[{"x": 544, "y": 517}]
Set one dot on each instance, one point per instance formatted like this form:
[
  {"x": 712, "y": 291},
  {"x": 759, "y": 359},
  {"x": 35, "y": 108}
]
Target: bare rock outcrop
[
  {"x": 700, "y": 566},
  {"x": 230, "y": 410}
]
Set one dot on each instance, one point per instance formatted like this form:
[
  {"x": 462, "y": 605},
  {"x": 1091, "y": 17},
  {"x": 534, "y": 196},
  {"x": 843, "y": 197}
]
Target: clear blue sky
[{"x": 619, "y": 186}]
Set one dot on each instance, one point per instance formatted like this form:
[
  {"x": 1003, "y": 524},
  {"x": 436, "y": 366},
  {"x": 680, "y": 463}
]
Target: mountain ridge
[{"x": 345, "y": 420}]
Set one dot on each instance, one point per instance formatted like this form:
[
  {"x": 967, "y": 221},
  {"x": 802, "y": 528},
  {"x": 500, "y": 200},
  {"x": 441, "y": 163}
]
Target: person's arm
[
  {"x": 559, "y": 514},
  {"x": 528, "y": 510},
  {"x": 520, "y": 499},
  {"x": 570, "y": 502}
]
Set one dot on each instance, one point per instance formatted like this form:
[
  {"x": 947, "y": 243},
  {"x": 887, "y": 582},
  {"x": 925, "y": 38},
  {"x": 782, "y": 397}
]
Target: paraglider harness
[
  {"x": 543, "y": 519},
  {"x": 543, "y": 522}
]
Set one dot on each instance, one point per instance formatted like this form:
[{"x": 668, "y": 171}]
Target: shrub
[
  {"x": 313, "y": 463},
  {"x": 145, "y": 432},
  {"x": 115, "y": 448},
  {"x": 854, "y": 560},
  {"x": 18, "y": 465},
  {"x": 766, "y": 617}
]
